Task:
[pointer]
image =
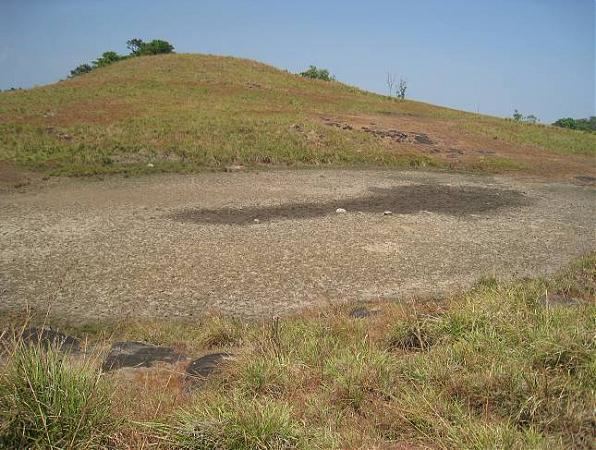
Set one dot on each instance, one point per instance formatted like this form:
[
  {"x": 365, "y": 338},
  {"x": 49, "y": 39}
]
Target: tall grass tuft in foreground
[
  {"x": 48, "y": 402},
  {"x": 235, "y": 423}
]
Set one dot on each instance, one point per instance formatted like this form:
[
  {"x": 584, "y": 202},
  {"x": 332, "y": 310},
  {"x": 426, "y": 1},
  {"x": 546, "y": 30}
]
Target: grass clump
[
  {"x": 237, "y": 423},
  {"x": 417, "y": 335},
  {"x": 47, "y": 402},
  {"x": 356, "y": 376},
  {"x": 220, "y": 333}
]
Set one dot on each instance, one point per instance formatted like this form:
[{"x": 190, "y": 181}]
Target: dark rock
[
  {"x": 587, "y": 179},
  {"x": 423, "y": 139},
  {"x": 206, "y": 365},
  {"x": 363, "y": 312},
  {"x": 138, "y": 354},
  {"x": 47, "y": 337}
]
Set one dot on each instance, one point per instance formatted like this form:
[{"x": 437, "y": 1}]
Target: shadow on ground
[{"x": 442, "y": 199}]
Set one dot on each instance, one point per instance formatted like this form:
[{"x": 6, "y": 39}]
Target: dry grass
[
  {"x": 497, "y": 367},
  {"x": 189, "y": 112}
]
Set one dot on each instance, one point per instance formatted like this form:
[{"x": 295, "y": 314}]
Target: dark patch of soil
[
  {"x": 442, "y": 199},
  {"x": 138, "y": 354},
  {"x": 206, "y": 365}
]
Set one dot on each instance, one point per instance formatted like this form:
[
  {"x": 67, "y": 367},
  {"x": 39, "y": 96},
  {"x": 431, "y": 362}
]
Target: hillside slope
[{"x": 185, "y": 112}]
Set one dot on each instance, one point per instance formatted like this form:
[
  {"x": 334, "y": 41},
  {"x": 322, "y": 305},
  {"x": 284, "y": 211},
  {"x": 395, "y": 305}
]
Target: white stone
[
  {"x": 340, "y": 211},
  {"x": 150, "y": 165},
  {"x": 387, "y": 213}
]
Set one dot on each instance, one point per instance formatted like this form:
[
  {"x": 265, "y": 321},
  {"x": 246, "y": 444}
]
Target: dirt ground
[
  {"x": 259, "y": 244},
  {"x": 447, "y": 142}
]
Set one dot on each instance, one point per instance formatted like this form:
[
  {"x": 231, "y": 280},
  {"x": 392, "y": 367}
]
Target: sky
[{"x": 490, "y": 56}]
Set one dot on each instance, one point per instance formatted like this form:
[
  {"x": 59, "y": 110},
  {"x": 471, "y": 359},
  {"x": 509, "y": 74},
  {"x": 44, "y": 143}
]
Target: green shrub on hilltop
[
  {"x": 577, "y": 124},
  {"x": 107, "y": 58},
  {"x": 136, "y": 46},
  {"x": 80, "y": 70},
  {"x": 317, "y": 74}
]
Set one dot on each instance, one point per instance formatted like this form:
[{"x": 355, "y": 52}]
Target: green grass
[
  {"x": 554, "y": 139},
  {"x": 497, "y": 164},
  {"x": 221, "y": 422},
  {"x": 495, "y": 367},
  {"x": 184, "y": 113},
  {"x": 48, "y": 402}
]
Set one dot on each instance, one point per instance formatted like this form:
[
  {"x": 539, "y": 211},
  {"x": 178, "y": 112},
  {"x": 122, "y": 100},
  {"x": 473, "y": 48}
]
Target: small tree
[
  {"x": 317, "y": 74},
  {"x": 588, "y": 124},
  {"x": 402, "y": 87},
  {"x": 519, "y": 117},
  {"x": 80, "y": 70},
  {"x": 390, "y": 81},
  {"x": 107, "y": 58},
  {"x": 154, "y": 47},
  {"x": 566, "y": 122},
  {"x": 134, "y": 45}
]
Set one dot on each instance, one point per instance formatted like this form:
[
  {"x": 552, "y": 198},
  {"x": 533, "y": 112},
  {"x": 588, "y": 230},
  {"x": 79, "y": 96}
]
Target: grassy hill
[{"x": 187, "y": 112}]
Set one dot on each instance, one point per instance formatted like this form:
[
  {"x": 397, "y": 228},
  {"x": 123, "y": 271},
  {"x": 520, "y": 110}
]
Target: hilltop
[{"x": 182, "y": 113}]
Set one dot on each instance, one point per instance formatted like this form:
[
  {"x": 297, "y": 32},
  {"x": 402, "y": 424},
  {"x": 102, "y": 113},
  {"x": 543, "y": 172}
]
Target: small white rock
[
  {"x": 387, "y": 213},
  {"x": 234, "y": 168},
  {"x": 340, "y": 211},
  {"x": 150, "y": 165},
  {"x": 256, "y": 221}
]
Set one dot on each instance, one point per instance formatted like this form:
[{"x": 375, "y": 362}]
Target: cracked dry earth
[{"x": 185, "y": 245}]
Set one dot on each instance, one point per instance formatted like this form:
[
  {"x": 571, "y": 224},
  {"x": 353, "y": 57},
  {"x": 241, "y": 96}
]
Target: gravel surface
[{"x": 186, "y": 245}]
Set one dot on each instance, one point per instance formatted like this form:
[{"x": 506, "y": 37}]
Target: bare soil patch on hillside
[
  {"x": 453, "y": 144},
  {"x": 188, "y": 245}
]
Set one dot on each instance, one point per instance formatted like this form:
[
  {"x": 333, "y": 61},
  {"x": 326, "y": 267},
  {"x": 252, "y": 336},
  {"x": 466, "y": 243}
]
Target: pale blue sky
[{"x": 489, "y": 55}]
